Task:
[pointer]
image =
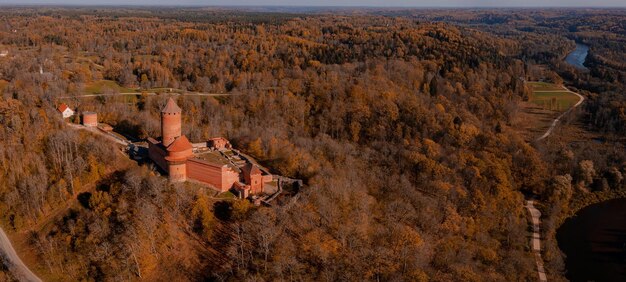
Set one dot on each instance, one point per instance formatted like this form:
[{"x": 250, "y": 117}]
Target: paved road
[
  {"x": 535, "y": 240},
  {"x": 15, "y": 264},
  {"x": 556, "y": 121}
]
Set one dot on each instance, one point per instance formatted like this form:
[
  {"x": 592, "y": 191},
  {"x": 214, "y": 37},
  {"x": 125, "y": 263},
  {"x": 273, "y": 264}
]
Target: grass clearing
[
  {"x": 547, "y": 103},
  {"x": 544, "y": 86},
  {"x": 556, "y": 101},
  {"x": 99, "y": 87},
  {"x": 227, "y": 195},
  {"x": 3, "y": 84}
]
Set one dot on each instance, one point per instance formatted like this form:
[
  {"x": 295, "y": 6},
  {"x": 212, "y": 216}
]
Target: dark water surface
[
  {"x": 578, "y": 56},
  {"x": 594, "y": 242}
]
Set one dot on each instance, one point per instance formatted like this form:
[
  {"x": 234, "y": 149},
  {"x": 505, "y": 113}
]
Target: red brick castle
[{"x": 216, "y": 165}]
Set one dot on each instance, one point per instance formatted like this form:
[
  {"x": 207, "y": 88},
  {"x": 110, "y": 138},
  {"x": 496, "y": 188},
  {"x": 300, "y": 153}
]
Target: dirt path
[
  {"x": 556, "y": 121},
  {"x": 98, "y": 132},
  {"x": 535, "y": 239},
  {"x": 15, "y": 264},
  {"x": 153, "y": 94}
]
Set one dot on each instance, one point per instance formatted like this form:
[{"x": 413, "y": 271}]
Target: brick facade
[
  {"x": 175, "y": 155},
  {"x": 90, "y": 119},
  {"x": 219, "y": 176},
  {"x": 170, "y": 122}
]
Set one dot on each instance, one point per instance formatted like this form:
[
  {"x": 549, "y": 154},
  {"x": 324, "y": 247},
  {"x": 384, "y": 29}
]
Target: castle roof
[
  {"x": 180, "y": 144},
  {"x": 251, "y": 169},
  {"x": 171, "y": 107}
]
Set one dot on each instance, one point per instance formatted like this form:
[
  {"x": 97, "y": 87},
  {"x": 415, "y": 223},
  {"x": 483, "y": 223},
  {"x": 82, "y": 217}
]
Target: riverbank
[
  {"x": 577, "y": 57},
  {"x": 594, "y": 242},
  {"x": 582, "y": 201}
]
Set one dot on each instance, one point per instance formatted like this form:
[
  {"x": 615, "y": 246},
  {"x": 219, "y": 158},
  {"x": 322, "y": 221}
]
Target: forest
[{"x": 399, "y": 123}]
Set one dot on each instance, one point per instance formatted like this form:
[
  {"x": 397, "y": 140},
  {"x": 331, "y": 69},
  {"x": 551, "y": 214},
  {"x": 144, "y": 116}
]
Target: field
[
  {"x": 3, "y": 83},
  {"x": 552, "y": 97},
  {"x": 547, "y": 103},
  {"x": 544, "y": 86},
  {"x": 557, "y": 101}
]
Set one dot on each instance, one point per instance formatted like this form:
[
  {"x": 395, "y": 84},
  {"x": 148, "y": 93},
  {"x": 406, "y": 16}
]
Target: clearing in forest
[
  {"x": 547, "y": 102},
  {"x": 552, "y": 97},
  {"x": 544, "y": 86},
  {"x": 553, "y": 100}
]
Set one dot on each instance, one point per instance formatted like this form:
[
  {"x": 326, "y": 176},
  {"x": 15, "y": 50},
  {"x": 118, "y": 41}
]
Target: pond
[
  {"x": 594, "y": 241},
  {"x": 577, "y": 57}
]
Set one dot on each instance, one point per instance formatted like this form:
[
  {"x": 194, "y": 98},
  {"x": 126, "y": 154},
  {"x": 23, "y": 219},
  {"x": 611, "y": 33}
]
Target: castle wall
[
  {"x": 177, "y": 171},
  {"x": 267, "y": 178},
  {"x": 256, "y": 183},
  {"x": 182, "y": 155},
  {"x": 157, "y": 154},
  {"x": 220, "y": 177},
  {"x": 229, "y": 177}
]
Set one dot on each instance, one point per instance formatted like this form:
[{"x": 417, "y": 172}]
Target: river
[
  {"x": 594, "y": 241},
  {"x": 577, "y": 57}
]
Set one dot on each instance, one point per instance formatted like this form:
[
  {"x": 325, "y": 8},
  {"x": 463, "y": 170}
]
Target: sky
[{"x": 372, "y": 3}]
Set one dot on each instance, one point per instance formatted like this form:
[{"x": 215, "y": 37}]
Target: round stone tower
[
  {"x": 170, "y": 122},
  {"x": 90, "y": 119},
  {"x": 177, "y": 155}
]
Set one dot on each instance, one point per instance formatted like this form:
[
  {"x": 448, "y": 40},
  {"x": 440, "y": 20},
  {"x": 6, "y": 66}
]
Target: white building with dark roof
[{"x": 65, "y": 110}]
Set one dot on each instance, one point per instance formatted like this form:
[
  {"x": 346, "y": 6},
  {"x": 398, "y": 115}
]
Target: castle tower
[
  {"x": 177, "y": 155},
  {"x": 170, "y": 122},
  {"x": 253, "y": 177}
]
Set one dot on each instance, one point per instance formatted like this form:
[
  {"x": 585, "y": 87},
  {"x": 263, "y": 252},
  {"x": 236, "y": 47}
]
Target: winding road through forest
[
  {"x": 535, "y": 214},
  {"x": 13, "y": 261},
  {"x": 535, "y": 240},
  {"x": 556, "y": 121}
]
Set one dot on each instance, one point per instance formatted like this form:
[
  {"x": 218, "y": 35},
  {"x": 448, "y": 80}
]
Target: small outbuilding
[
  {"x": 90, "y": 119},
  {"x": 65, "y": 110},
  {"x": 219, "y": 143},
  {"x": 242, "y": 191}
]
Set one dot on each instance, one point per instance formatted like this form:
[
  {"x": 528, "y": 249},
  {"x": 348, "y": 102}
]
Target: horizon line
[{"x": 301, "y": 6}]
